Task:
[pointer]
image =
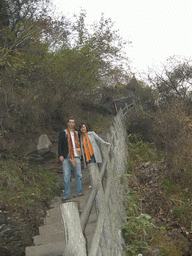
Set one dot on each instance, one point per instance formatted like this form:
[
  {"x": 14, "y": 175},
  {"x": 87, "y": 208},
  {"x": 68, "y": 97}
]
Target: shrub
[
  {"x": 24, "y": 186},
  {"x": 140, "y": 123},
  {"x": 137, "y": 227},
  {"x": 140, "y": 151}
]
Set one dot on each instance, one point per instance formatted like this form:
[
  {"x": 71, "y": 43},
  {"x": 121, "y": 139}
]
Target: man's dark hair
[
  {"x": 71, "y": 118},
  {"x": 81, "y": 124}
]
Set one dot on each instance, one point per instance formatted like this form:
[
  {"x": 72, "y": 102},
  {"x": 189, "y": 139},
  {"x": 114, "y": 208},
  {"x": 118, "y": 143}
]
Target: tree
[
  {"x": 44, "y": 75},
  {"x": 175, "y": 82}
]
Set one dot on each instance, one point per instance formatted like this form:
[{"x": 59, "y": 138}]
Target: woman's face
[{"x": 83, "y": 128}]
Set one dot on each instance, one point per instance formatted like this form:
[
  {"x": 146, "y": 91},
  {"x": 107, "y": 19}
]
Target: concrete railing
[{"x": 109, "y": 195}]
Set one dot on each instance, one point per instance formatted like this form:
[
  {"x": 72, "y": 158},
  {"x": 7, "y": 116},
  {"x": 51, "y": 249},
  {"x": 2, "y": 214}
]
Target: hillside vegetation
[{"x": 54, "y": 68}]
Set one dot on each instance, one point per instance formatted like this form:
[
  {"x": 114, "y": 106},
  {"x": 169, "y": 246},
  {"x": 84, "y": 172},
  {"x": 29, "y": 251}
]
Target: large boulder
[{"x": 44, "y": 144}]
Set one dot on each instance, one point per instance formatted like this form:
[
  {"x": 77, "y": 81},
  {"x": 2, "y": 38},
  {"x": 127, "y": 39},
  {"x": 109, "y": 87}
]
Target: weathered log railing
[
  {"x": 127, "y": 108},
  {"x": 109, "y": 198},
  {"x": 75, "y": 241}
]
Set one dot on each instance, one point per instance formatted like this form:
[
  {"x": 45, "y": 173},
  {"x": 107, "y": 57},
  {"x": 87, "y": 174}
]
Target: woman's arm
[{"x": 100, "y": 139}]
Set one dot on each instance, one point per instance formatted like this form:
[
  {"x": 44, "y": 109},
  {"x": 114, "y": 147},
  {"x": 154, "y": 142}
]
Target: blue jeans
[
  {"x": 67, "y": 176},
  {"x": 92, "y": 160}
]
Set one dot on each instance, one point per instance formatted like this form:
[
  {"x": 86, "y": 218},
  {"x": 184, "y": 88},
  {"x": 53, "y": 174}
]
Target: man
[{"x": 69, "y": 154}]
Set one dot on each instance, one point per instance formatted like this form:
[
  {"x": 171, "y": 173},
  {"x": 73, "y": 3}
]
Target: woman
[{"x": 90, "y": 150}]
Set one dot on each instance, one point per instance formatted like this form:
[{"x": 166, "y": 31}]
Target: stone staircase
[{"x": 51, "y": 238}]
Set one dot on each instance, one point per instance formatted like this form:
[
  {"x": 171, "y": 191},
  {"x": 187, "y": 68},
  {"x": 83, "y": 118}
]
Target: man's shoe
[
  {"x": 63, "y": 199},
  {"x": 80, "y": 194}
]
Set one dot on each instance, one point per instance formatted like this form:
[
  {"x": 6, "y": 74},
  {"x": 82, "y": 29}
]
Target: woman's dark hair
[{"x": 81, "y": 124}]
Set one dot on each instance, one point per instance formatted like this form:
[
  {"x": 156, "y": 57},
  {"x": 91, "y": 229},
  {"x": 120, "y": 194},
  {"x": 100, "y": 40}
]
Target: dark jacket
[{"x": 63, "y": 144}]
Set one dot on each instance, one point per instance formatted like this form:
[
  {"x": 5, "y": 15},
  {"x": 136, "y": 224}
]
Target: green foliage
[
  {"x": 124, "y": 178},
  {"x": 137, "y": 228},
  {"x": 168, "y": 247},
  {"x": 176, "y": 188},
  {"x": 172, "y": 131},
  {"x": 169, "y": 185},
  {"x": 144, "y": 95},
  {"x": 140, "y": 151},
  {"x": 99, "y": 123},
  {"x": 182, "y": 213},
  {"x": 179, "y": 194},
  {"x": 140, "y": 122},
  {"x": 23, "y": 186}
]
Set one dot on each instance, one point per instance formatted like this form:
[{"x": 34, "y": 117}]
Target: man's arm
[{"x": 60, "y": 153}]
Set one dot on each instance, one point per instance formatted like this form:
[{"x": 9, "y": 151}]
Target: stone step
[
  {"x": 81, "y": 200},
  {"x": 53, "y": 216},
  {"x": 54, "y": 209},
  {"x": 49, "y": 238},
  {"x": 47, "y": 229},
  {"x": 52, "y": 249}
]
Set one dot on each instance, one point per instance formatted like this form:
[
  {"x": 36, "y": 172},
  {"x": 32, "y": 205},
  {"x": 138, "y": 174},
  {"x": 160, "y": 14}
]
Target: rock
[
  {"x": 156, "y": 252},
  {"x": 44, "y": 144}
]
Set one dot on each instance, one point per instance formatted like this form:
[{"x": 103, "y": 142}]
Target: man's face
[{"x": 71, "y": 124}]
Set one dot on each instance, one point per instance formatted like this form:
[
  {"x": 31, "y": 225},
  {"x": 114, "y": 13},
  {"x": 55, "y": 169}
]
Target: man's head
[{"x": 71, "y": 123}]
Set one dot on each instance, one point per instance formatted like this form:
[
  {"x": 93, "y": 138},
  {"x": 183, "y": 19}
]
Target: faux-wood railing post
[{"x": 75, "y": 241}]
